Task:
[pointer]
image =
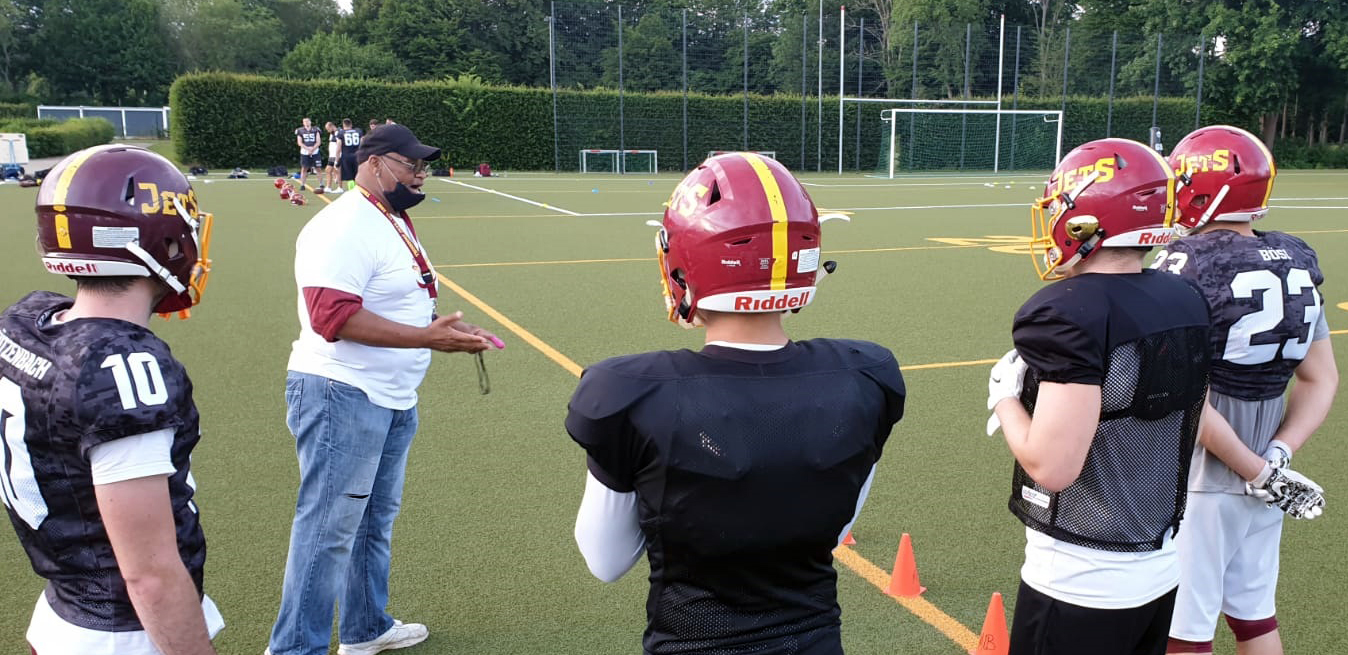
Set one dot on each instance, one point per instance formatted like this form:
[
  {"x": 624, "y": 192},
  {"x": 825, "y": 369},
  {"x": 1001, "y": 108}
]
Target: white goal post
[
  {"x": 607, "y": 160},
  {"x": 1036, "y": 128}
]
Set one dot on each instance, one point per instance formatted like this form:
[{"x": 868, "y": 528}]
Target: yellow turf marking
[
  {"x": 1343, "y": 306},
  {"x": 562, "y": 360},
  {"x": 972, "y": 362},
  {"x": 320, "y": 196},
  {"x": 919, "y": 606}
]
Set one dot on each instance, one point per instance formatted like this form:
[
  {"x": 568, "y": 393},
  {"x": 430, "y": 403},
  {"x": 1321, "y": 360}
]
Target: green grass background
[{"x": 483, "y": 552}]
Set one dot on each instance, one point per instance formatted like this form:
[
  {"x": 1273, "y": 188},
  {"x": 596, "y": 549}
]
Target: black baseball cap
[{"x": 395, "y": 138}]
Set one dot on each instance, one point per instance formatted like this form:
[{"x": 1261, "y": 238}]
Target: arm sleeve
[
  {"x": 861, "y": 500},
  {"x": 1321, "y": 328},
  {"x": 333, "y": 257},
  {"x": 608, "y": 530},
  {"x": 1058, "y": 349},
  {"x": 329, "y": 309},
  {"x": 128, "y": 458}
]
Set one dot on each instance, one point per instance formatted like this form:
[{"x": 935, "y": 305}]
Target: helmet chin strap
[
  {"x": 156, "y": 269},
  {"x": 1212, "y": 207}
]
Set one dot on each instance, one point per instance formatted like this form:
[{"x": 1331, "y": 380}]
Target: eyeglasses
[{"x": 417, "y": 167}]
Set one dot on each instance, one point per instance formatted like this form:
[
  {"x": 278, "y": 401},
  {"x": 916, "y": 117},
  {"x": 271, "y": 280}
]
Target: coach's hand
[{"x": 449, "y": 334}]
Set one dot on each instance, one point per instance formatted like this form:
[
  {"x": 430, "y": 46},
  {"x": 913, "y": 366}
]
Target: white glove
[
  {"x": 1297, "y": 495},
  {"x": 1278, "y": 454},
  {"x": 1005, "y": 381}
]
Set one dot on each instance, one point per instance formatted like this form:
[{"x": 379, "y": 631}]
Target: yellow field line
[
  {"x": 529, "y": 338},
  {"x": 919, "y": 606}
]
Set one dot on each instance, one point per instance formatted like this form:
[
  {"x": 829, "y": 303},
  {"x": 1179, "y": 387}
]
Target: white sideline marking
[
  {"x": 535, "y": 203},
  {"x": 1307, "y": 207}
]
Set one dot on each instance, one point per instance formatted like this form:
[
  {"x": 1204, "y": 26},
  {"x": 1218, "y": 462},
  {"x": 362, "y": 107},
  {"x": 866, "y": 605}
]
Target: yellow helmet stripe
[
  {"x": 1272, "y": 167},
  {"x": 1169, "y": 188},
  {"x": 59, "y": 197},
  {"x": 777, "y": 206}
]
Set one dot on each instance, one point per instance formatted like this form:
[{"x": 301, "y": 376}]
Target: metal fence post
[
  {"x": 552, "y": 80},
  {"x": 1198, "y": 102},
  {"x": 964, "y": 118},
  {"x": 622, "y": 122},
  {"x": 1113, "y": 61},
  {"x": 746, "y": 81},
  {"x": 1156, "y": 89},
  {"x": 861, "y": 63},
  {"x": 685, "y": 89},
  {"x": 1066, "y": 50},
  {"x": 819, "y": 110},
  {"x": 912, "y": 118},
  {"x": 1015, "y": 99},
  {"x": 804, "y": 79}
]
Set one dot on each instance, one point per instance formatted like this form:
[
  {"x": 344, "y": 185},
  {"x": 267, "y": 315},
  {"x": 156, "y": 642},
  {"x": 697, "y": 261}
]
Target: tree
[
  {"x": 339, "y": 56},
  {"x": 230, "y": 35},
  {"x": 650, "y": 60},
  {"x": 111, "y": 50},
  {"x": 947, "y": 29},
  {"x": 17, "y": 25},
  {"x": 301, "y": 19}
]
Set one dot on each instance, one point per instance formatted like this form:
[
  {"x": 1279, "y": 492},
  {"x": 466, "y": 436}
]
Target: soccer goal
[
  {"x": 969, "y": 140},
  {"x": 772, "y": 154},
  {"x": 601, "y": 160}
]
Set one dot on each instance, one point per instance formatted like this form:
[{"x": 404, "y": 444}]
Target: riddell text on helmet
[
  {"x": 69, "y": 268},
  {"x": 746, "y": 304},
  {"x": 1148, "y": 239}
]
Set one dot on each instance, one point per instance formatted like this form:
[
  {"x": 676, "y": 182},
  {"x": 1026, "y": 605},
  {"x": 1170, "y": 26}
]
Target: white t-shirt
[
  {"x": 1098, "y": 578},
  {"x": 351, "y": 246},
  {"x": 49, "y": 633}
]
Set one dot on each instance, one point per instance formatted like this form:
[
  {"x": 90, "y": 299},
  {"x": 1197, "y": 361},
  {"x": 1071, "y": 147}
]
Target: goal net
[
  {"x": 969, "y": 140},
  {"x": 600, "y": 160}
]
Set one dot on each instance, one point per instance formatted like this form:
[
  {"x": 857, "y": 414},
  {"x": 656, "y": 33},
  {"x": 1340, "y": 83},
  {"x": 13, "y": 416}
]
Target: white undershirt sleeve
[
  {"x": 861, "y": 500},
  {"x": 128, "y": 458},
  {"x": 608, "y": 530}
]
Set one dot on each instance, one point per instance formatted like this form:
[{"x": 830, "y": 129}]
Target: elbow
[
  {"x": 148, "y": 584},
  {"x": 1051, "y": 478}
]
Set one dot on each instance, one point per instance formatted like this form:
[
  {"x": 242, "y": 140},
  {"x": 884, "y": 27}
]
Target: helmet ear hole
[
  {"x": 715, "y": 195},
  {"x": 171, "y": 247},
  {"x": 1122, "y": 163}
]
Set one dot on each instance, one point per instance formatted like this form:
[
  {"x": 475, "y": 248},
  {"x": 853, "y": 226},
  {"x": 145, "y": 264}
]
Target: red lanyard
[{"x": 427, "y": 275}]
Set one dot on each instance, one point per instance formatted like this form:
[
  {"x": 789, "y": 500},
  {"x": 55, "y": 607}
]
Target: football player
[
  {"x": 1100, "y": 403},
  {"x": 97, "y": 416},
  {"x": 736, "y": 469},
  {"x": 1268, "y": 327},
  {"x": 308, "y": 138}
]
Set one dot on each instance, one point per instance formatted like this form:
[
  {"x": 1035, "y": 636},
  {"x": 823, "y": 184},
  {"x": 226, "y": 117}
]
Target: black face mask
[{"x": 401, "y": 198}]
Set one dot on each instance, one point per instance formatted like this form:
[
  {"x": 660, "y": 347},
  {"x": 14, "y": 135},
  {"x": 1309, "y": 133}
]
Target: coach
[{"x": 367, "y": 328}]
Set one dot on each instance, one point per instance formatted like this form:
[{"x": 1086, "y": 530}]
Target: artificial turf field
[{"x": 931, "y": 267}]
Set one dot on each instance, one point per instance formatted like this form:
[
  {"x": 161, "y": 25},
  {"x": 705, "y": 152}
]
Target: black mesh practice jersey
[
  {"x": 65, "y": 389},
  {"x": 746, "y": 466},
  {"x": 1263, "y": 291},
  {"x": 308, "y": 135},
  {"x": 350, "y": 137},
  {"x": 1143, "y": 339}
]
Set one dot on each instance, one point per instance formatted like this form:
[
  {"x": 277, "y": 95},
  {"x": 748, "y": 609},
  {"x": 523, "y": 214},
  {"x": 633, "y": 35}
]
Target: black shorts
[
  {"x": 348, "y": 167},
  {"x": 1045, "y": 626},
  {"x": 311, "y": 162}
]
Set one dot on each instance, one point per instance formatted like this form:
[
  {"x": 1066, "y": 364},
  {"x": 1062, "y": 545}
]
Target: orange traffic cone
[
  {"x": 903, "y": 581},
  {"x": 849, "y": 540},
  {"x": 993, "y": 640}
]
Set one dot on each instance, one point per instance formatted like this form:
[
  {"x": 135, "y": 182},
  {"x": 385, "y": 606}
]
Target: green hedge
[
  {"x": 223, "y": 120},
  {"x": 48, "y": 138},
  {"x": 17, "y": 110},
  {"x": 1294, "y": 153}
]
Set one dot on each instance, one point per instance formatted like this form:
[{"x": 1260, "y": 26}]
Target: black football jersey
[
  {"x": 63, "y": 390},
  {"x": 1142, "y": 338},
  {"x": 308, "y": 135},
  {"x": 1265, "y": 303},
  {"x": 350, "y": 140},
  {"x": 746, "y": 466}
]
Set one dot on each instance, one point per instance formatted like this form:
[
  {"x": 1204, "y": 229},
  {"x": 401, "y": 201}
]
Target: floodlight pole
[{"x": 1001, "y": 55}]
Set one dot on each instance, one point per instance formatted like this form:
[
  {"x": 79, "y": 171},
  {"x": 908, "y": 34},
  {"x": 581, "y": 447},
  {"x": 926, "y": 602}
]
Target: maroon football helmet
[
  {"x": 1105, "y": 193},
  {"x": 740, "y": 234},
  {"x": 119, "y": 210},
  {"x": 1226, "y": 174}
]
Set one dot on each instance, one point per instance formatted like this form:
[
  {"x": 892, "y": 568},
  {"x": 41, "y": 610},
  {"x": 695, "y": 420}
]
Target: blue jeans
[{"x": 352, "y": 456}]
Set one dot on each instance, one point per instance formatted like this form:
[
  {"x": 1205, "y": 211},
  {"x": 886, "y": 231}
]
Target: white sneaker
[{"x": 401, "y": 635}]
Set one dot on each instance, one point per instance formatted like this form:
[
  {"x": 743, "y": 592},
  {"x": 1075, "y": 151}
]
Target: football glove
[
  {"x": 1005, "y": 381},
  {"x": 1289, "y": 491},
  {"x": 1278, "y": 454}
]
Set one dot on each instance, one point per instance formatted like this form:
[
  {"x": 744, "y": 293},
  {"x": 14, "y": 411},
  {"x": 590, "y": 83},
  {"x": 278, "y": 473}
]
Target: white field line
[
  {"x": 1308, "y": 206},
  {"x": 507, "y": 195}
]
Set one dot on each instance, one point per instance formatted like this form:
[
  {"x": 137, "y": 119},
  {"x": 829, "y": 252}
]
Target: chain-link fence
[{"x": 812, "y": 88}]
